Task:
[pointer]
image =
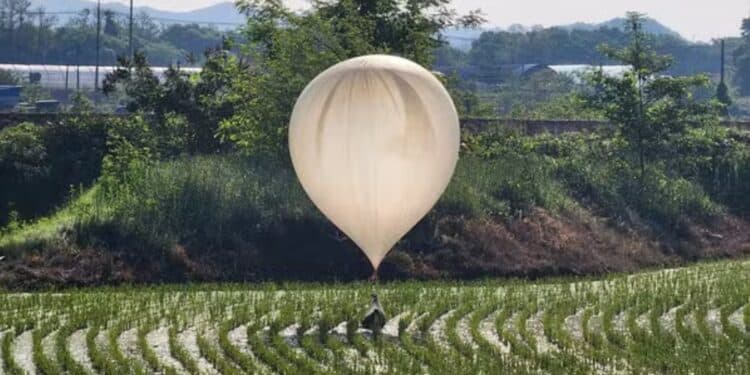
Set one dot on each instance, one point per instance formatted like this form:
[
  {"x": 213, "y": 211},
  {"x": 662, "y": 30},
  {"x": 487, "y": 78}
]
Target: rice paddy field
[{"x": 689, "y": 320}]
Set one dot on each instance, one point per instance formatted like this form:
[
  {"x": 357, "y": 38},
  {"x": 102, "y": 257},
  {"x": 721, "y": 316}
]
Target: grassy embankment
[{"x": 521, "y": 207}]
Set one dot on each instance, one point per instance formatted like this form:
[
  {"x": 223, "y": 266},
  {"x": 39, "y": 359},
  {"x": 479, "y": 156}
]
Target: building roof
[{"x": 578, "y": 69}]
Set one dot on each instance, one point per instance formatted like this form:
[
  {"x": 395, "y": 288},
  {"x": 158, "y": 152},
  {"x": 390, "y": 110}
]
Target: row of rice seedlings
[
  {"x": 477, "y": 317},
  {"x": 101, "y": 359},
  {"x": 702, "y": 350},
  {"x": 215, "y": 358},
  {"x": 565, "y": 359},
  {"x": 311, "y": 345},
  {"x": 444, "y": 357},
  {"x": 613, "y": 351},
  {"x": 43, "y": 363},
  {"x": 429, "y": 353},
  {"x": 656, "y": 351},
  {"x": 265, "y": 353},
  {"x": 505, "y": 306},
  {"x": 346, "y": 359},
  {"x": 355, "y": 339},
  {"x": 521, "y": 357},
  {"x": 245, "y": 361},
  {"x": 181, "y": 354},
  {"x": 461, "y": 353},
  {"x": 616, "y": 340},
  {"x": 115, "y": 351},
  {"x": 488, "y": 357},
  {"x": 684, "y": 332},
  {"x": 405, "y": 344},
  {"x": 553, "y": 361},
  {"x": 64, "y": 357},
  {"x": 701, "y": 319},
  {"x": 303, "y": 363},
  {"x": 148, "y": 353},
  {"x": 399, "y": 360},
  {"x": 508, "y": 329}
]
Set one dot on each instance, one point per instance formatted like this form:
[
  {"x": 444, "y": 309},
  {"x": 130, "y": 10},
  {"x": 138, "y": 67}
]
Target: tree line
[{"x": 493, "y": 55}]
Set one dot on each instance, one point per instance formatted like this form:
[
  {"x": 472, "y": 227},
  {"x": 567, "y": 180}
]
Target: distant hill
[
  {"x": 650, "y": 25},
  {"x": 227, "y": 16},
  {"x": 224, "y": 13},
  {"x": 462, "y": 38}
]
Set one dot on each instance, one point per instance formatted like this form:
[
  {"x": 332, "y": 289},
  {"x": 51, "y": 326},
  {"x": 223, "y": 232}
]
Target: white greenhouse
[{"x": 71, "y": 77}]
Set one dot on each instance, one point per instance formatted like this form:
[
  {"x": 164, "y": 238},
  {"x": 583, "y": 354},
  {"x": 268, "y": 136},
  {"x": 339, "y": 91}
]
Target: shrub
[
  {"x": 24, "y": 170},
  {"x": 719, "y": 161},
  {"x": 39, "y": 165},
  {"x": 617, "y": 188}
]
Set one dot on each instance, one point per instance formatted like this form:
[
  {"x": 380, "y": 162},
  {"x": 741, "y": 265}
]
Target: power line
[
  {"x": 98, "y": 41},
  {"x": 130, "y": 33},
  {"x": 160, "y": 19}
]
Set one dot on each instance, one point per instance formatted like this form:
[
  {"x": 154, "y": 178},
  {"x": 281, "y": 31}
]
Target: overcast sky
[{"x": 694, "y": 19}]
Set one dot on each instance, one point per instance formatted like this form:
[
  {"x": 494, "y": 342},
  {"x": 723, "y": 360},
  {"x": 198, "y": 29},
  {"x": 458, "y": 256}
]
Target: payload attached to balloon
[{"x": 374, "y": 141}]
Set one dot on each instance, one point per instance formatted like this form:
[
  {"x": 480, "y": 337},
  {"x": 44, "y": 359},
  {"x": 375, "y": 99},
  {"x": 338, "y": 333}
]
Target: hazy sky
[{"x": 694, "y": 19}]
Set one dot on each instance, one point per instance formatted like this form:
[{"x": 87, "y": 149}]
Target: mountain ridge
[
  {"x": 226, "y": 15},
  {"x": 462, "y": 38},
  {"x": 222, "y": 13}
]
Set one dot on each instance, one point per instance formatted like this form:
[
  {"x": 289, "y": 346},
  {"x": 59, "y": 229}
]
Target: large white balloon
[{"x": 374, "y": 141}]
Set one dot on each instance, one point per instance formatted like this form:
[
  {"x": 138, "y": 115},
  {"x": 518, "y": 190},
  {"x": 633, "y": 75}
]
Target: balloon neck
[{"x": 374, "y": 276}]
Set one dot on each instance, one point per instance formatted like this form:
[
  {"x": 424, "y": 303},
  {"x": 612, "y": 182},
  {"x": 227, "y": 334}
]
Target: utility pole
[
  {"x": 722, "y": 60},
  {"x": 130, "y": 32},
  {"x": 98, "y": 44},
  {"x": 722, "y": 92},
  {"x": 11, "y": 15},
  {"x": 39, "y": 35}
]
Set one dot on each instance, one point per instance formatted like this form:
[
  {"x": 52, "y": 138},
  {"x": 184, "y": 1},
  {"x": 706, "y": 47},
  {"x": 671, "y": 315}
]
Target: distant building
[
  {"x": 10, "y": 96},
  {"x": 577, "y": 71},
  {"x": 574, "y": 71}
]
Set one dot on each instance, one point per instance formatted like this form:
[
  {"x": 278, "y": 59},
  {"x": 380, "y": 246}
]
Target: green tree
[
  {"x": 23, "y": 163},
  {"x": 722, "y": 95},
  {"x": 290, "y": 49},
  {"x": 742, "y": 60},
  {"x": 80, "y": 103},
  {"x": 111, "y": 27},
  {"x": 8, "y": 78},
  {"x": 201, "y": 101},
  {"x": 647, "y": 108}
]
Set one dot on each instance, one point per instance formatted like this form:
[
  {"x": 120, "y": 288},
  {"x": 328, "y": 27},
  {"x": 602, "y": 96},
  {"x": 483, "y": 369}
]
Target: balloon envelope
[{"x": 374, "y": 141}]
